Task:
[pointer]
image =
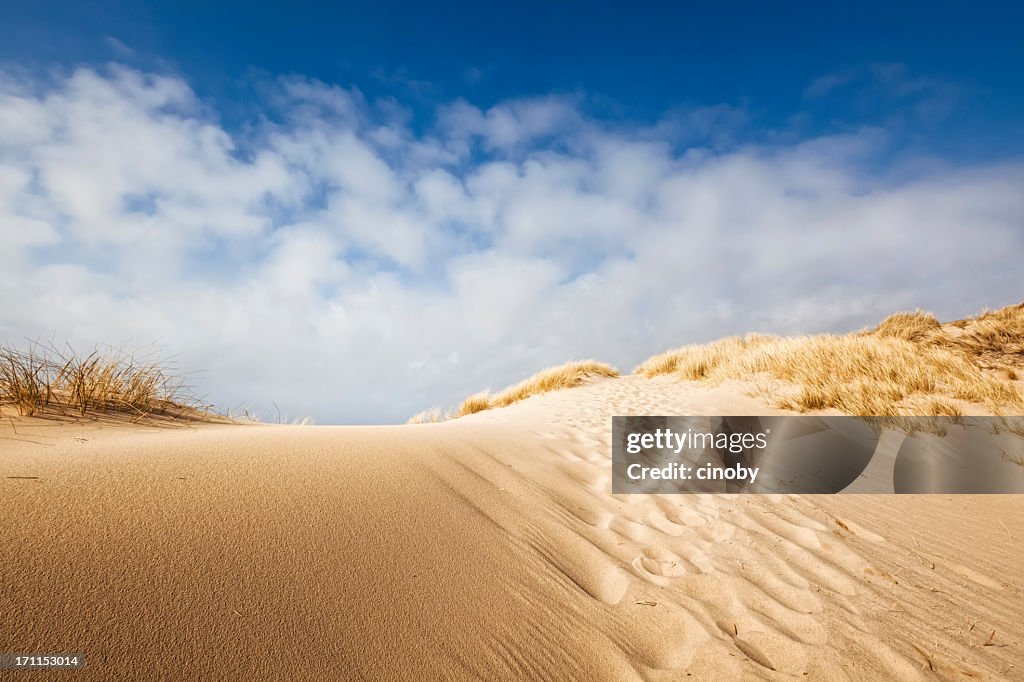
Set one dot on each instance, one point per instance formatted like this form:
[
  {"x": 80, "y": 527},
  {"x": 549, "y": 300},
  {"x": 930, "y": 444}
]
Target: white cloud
[
  {"x": 340, "y": 264},
  {"x": 512, "y": 124}
]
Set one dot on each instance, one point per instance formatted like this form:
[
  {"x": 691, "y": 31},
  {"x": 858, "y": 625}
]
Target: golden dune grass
[
  {"x": 42, "y": 378},
  {"x": 551, "y": 379},
  {"x": 909, "y": 364},
  {"x": 994, "y": 339},
  {"x": 916, "y": 327}
]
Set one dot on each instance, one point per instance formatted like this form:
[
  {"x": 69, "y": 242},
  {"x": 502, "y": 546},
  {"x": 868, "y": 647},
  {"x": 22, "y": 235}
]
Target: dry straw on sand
[
  {"x": 908, "y": 364},
  {"x": 552, "y": 379},
  {"x": 43, "y": 379}
]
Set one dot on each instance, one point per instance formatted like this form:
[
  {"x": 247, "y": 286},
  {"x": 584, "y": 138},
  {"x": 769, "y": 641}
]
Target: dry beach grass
[
  {"x": 44, "y": 379},
  {"x": 910, "y": 364},
  {"x": 569, "y": 375}
]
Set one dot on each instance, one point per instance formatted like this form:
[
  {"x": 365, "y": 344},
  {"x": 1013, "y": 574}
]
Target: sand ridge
[{"x": 486, "y": 547}]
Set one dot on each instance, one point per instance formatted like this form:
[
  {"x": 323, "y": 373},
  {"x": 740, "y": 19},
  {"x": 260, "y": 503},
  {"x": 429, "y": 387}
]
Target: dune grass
[
  {"x": 910, "y": 364},
  {"x": 44, "y": 379},
  {"x": 916, "y": 327},
  {"x": 551, "y": 379},
  {"x": 431, "y": 415},
  {"x": 478, "y": 402}
]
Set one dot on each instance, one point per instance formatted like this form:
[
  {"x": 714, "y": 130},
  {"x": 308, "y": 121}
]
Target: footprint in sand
[
  {"x": 660, "y": 521},
  {"x": 660, "y": 562}
]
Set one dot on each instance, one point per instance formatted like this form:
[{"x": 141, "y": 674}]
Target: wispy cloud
[
  {"x": 823, "y": 85},
  {"x": 331, "y": 259},
  {"x": 892, "y": 86}
]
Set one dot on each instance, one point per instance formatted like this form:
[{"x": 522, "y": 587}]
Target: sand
[{"x": 487, "y": 547}]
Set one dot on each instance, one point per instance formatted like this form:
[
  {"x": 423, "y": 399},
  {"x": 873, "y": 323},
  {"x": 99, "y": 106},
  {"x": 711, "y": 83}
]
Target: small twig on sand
[
  {"x": 1006, "y": 529},
  {"x": 927, "y": 657},
  {"x": 991, "y": 641}
]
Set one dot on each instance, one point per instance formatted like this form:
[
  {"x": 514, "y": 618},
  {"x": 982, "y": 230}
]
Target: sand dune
[{"x": 486, "y": 547}]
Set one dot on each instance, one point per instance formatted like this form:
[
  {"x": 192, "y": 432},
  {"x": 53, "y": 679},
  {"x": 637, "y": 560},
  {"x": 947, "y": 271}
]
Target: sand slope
[{"x": 488, "y": 547}]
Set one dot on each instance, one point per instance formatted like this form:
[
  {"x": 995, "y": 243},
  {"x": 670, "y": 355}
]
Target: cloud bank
[{"x": 331, "y": 257}]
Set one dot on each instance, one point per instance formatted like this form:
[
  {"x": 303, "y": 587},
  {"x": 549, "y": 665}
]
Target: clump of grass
[
  {"x": 431, "y": 415},
  {"x": 699, "y": 361},
  {"x": 478, "y": 402},
  {"x": 916, "y": 326},
  {"x": 909, "y": 364},
  {"x": 112, "y": 382},
  {"x": 25, "y": 380},
  {"x": 995, "y": 338},
  {"x": 569, "y": 375},
  {"x": 43, "y": 379}
]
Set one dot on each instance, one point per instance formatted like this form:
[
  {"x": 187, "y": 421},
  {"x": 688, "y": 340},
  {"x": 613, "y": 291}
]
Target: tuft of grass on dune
[
  {"x": 995, "y": 338},
  {"x": 698, "y": 361},
  {"x": 569, "y": 375},
  {"x": 910, "y": 364},
  {"x": 916, "y": 327},
  {"x": 432, "y": 415},
  {"x": 478, "y": 402},
  {"x": 43, "y": 379},
  {"x": 553, "y": 379}
]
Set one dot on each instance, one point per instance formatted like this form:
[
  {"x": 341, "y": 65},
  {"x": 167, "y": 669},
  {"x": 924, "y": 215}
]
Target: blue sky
[
  {"x": 633, "y": 60},
  {"x": 355, "y": 213}
]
